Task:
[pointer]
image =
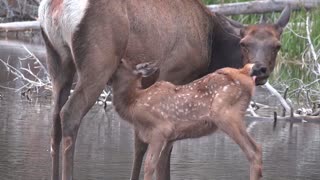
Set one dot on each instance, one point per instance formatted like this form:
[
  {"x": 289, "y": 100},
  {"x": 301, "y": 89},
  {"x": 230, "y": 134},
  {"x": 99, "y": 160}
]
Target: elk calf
[{"x": 164, "y": 113}]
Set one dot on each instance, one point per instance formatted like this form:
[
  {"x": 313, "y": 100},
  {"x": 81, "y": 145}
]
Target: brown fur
[{"x": 164, "y": 112}]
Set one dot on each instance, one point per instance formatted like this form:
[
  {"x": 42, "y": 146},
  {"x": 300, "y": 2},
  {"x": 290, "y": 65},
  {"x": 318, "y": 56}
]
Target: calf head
[{"x": 128, "y": 72}]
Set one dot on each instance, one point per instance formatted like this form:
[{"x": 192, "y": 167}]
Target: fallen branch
[
  {"x": 252, "y": 7},
  {"x": 252, "y": 112},
  {"x": 280, "y": 98},
  {"x": 20, "y": 73},
  {"x": 260, "y": 7},
  {"x": 295, "y": 119},
  {"x": 32, "y": 81},
  {"x": 285, "y": 98},
  {"x": 20, "y": 26}
]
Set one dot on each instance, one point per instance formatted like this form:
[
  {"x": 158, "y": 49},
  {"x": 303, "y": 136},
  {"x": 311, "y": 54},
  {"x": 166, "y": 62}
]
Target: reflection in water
[{"x": 105, "y": 146}]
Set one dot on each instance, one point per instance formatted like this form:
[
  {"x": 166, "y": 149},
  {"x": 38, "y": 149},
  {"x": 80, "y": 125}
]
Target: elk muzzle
[{"x": 261, "y": 73}]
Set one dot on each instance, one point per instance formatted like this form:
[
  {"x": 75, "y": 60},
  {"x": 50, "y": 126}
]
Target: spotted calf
[{"x": 164, "y": 113}]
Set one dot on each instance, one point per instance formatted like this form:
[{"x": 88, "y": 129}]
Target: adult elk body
[{"x": 89, "y": 37}]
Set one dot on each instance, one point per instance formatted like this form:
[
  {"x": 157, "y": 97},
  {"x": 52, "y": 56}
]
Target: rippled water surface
[{"x": 105, "y": 144}]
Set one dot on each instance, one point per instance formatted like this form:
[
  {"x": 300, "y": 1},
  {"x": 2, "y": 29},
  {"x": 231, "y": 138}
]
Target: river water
[{"x": 105, "y": 143}]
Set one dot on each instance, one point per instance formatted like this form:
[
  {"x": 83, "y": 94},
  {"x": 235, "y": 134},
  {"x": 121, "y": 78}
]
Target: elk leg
[
  {"x": 62, "y": 78},
  {"x": 94, "y": 68},
  {"x": 140, "y": 149},
  {"x": 83, "y": 98},
  {"x": 154, "y": 152},
  {"x": 163, "y": 167},
  {"x": 97, "y": 52},
  {"x": 234, "y": 127},
  {"x": 61, "y": 93}
]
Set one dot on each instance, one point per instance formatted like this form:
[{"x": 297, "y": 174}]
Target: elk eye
[
  {"x": 278, "y": 46},
  {"x": 243, "y": 45}
]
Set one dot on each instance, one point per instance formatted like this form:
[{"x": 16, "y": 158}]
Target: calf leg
[
  {"x": 62, "y": 72},
  {"x": 163, "y": 167},
  {"x": 140, "y": 149},
  {"x": 234, "y": 127},
  {"x": 154, "y": 152}
]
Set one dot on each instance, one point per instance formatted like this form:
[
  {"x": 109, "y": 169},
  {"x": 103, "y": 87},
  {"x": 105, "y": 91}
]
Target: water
[{"x": 105, "y": 143}]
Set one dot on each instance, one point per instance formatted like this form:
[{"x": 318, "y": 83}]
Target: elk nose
[{"x": 259, "y": 70}]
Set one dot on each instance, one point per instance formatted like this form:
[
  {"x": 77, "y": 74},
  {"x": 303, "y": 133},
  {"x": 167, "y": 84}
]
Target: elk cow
[
  {"x": 216, "y": 101},
  {"x": 89, "y": 38}
]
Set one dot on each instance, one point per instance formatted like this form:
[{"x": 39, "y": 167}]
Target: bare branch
[{"x": 280, "y": 98}]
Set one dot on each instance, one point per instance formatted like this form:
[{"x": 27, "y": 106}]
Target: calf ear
[
  {"x": 146, "y": 69},
  {"x": 283, "y": 19},
  {"x": 126, "y": 64}
]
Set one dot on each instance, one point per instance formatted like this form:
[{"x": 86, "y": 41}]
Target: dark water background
[{"x": 105, "y": 143}]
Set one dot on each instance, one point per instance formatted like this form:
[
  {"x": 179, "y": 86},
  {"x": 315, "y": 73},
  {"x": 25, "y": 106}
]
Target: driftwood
[
  {"x": 252, "y": 7},
  {"x": 283, "y": 102},
  {"x": 260, "y": 7},
  {"x": 295, "y": 119},
  {"x": 20, "y": 26},
  {"x": 40, "y": 81},
  {"x": 226, "y": 9}
]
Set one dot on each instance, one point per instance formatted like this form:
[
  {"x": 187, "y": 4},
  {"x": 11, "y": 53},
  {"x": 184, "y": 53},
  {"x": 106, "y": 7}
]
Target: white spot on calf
[
  {"x": 145, "y": 104},
  {"x": 225, "y": 88}
]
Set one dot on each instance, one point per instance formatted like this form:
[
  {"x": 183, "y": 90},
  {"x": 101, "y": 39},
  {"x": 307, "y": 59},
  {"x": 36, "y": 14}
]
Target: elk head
[{"x": 260, "y": 44}]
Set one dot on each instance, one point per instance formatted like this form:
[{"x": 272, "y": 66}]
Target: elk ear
[
  {"x": 229, "y": 25},
  {"x": 242, "y": 32},
  {"x": 283, "y": 19},
  {"x": 263, "y": 19}
]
